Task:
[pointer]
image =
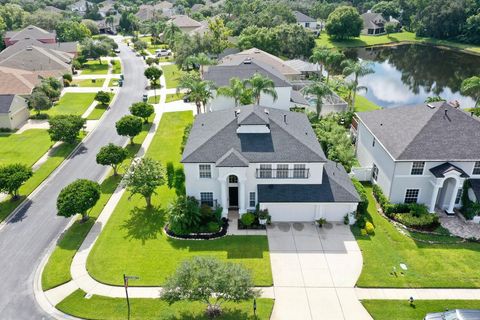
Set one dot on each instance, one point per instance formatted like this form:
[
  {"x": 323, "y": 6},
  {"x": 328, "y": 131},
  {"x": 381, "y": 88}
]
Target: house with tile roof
[
  {"x": 253, "y": 155},
  {"x": 420, "y": 154},
  {"x": 185, "y": 23},
  {"x": 13, "y": 111},
  {"x": 30, "y": 32}
]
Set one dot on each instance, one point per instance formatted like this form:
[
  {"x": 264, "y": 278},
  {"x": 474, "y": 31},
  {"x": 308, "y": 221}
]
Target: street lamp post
[{"x": 125, "y": 283}]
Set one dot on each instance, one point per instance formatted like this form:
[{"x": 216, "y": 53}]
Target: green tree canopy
[
  {"x": 198, "y": 90},
  {"x": 70, "y": 30},
  {"x": 387, "y": 9},
  {"x": 344, "y": 22},
  {"x": 153, "y": 74},
  {"x": 143, "y": 110},
  {"x": 319, "y": 91},
  {"x": 111, "y": 155},
  {"x": 144, "y": 177},
  {"x": 129, "y": 126},
  {"x": 471, "y": 86},
  {"x": 12, "y": 177},
  {"x": 103, "y": 97},
  {"x": 65, "y": 128},
  {"x": 261, "y": 85},
  {"x": 77, "y": 198},
  {"x": 39, "y": 101}
]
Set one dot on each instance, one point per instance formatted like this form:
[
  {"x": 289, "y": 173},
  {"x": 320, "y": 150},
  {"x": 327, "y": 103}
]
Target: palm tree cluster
[{"x": 250, "y": 90}]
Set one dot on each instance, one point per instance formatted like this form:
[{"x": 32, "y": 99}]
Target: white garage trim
[{"x": 306, "y": 211}]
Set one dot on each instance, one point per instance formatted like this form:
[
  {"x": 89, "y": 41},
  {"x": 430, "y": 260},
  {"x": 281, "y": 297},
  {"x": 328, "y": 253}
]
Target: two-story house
[
  {"x": 420, "y": 154},
  {"x": 255, "y": 155},
  {"x": 305, "y": 21}
]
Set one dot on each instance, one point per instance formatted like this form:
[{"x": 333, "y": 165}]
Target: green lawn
[
  {"x": 405, "y": 37},
  {"x": 172, "y": 75},
  {"x": 137, "y": 231},
  {"x": 117, "y": 67},
  {"x": 89, "y": 83},
  {"x": 98, "y": 307},
  {"x": 94, "y": 67},
  {"x": 25, "y": 148},
  {"x": 98, "y": 111},
  {"x": 57, "y": 269},
  {"x": 446, "y": 265},
  {"x": 174, "y": 97},
  {"x": 58, "y": 154},
  {"x": 72, "y": 103},
  {"x": 154, "y": 99},
  {"x": 401, "y": 310},
  {"x": 363, "y": 104},
  {"x": 113, "y": 82}
]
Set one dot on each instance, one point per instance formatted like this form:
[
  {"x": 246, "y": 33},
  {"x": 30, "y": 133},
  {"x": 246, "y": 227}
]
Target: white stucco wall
[
  {"x": 312, "y": 25},
  {"x": 334, "y": 211}
]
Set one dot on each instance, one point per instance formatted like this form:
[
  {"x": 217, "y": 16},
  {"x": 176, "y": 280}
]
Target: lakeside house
[
  {"x": 13, "y": 111},
  {"x": 256, "y": 155},
  {"x": 305, "y": 21},
  {"x": 374, "y": 23},
  {"x": 420, "y": 154}
]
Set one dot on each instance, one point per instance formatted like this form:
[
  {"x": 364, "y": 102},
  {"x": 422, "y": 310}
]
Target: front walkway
[
  {"x": 457, "y": 226},
  {"x": 315, "y": 271}
]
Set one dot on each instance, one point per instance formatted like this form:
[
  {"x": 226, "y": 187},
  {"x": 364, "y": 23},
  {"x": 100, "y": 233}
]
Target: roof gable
[
  {"x": 252, "y": 117},
  {"x": 6, "y": 102},
  {"x": 30, "y": 32},
  {"x": 232, "y": 158},
  {"x": 301, "y": 17}
]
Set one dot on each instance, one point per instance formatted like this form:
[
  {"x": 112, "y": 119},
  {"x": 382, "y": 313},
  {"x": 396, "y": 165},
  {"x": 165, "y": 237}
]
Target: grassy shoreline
[{"x": 404, "y": 37}]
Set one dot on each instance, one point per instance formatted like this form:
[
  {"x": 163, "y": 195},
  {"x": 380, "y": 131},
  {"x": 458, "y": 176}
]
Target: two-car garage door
[{"x": 308, "y": 211}]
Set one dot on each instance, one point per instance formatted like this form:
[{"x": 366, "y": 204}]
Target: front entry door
[{"x": 233, "y": 196}]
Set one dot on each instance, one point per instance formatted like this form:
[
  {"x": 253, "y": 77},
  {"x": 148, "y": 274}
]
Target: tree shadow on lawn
[
  {"x": 145, "y": 223},
  {"x": 227, "y": 314},
  {"x": 236, "y": 247}
]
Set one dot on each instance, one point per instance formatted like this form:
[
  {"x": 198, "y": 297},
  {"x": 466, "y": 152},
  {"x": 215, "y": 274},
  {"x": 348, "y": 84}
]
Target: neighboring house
[
  {"x": 185, "y": 23},
  {"x": 30, "y": 32},
  {"x": 111, "y": 28},
  {"x": 16, "y": 81},
  {"x": 13, "y": 111},
  {"x": 255, "y": 155},
  {"x": 419, "y": 154},
  {"x": 106, "y": 8},
  {"x": 305, "y": 21},
  {"x": 307, "y": 69},
  {"x": 79, "y": 7},
  {"x": 151, "y": 12},
  {"x": 66, "y": 50},
  {"x": 374, "y": 23}
]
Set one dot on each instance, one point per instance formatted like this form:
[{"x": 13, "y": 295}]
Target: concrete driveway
[{"x": 315, "y": 271}]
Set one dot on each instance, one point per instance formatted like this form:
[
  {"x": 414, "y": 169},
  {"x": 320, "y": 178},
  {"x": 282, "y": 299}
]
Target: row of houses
[{"x": 31, "y": 54}]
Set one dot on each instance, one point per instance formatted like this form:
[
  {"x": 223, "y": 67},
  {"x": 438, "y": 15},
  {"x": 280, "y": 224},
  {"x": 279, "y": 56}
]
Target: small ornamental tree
[
  {"x": 153, "y": 74},
  {"x": 140, "y": 45},
  {"x": 143, "y": 110},
  {"x": 39, "y": 101},
  {"x": 12, "y": 177},
  {"x": 111, "y": 155},
  {"x": 103, "y": 97},
  {"x": 144, "y": 177},
  {"x": 210, "y": 281},
  {"x": 129, "y": 126},
  {"x": 78, "y": 197},
  {"x": 65, "y": 128}
]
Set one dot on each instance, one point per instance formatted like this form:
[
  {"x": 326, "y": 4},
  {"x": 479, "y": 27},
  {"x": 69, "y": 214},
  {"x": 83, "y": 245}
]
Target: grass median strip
[
  {"x": 57, "y": 269},
  {"x": 98, "y": 307}
]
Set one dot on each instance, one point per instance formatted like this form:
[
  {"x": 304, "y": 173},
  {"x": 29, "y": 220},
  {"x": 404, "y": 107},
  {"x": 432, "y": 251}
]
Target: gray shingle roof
[
  {"x": 215, "y": 133},
  {"x": 300, "y": 17},
  {"x": 184, "y": 21},
  {"x": 440, "y": 132},
  {"x": 6, "y": 102},
  {"x": 221, "y": 74},
  {"x": 440, "y": 170},
  {"x": 232, "y": 158},
  {"x": 256, "y": 117},
  {"x": 372, "y": 20},
  {"x": 336, "y": 187},
  {"x": 31, "y": 32}
]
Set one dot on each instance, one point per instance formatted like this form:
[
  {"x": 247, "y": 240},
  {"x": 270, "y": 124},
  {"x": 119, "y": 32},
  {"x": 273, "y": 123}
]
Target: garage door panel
[{"x": 290, "y": 211}]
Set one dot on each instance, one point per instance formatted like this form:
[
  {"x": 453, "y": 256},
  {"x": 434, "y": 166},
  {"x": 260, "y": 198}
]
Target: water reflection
[{"x": 408, "y": 74}]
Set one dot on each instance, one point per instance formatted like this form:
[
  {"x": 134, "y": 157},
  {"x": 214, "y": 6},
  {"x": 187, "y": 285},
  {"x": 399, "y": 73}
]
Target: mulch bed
[{"x": 200, "y": 236}]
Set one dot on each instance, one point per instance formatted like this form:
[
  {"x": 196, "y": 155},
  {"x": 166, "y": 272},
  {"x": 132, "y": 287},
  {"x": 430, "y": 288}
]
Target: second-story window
[
  {"x": 476, "y": 168},
  {"x": 265, "y": 171},
  {"x": 282, "y": 171},
  {"x": 299, "y": 171},
  {"x": 205, "y": 171},
  {"x": 417, "y": 168}
]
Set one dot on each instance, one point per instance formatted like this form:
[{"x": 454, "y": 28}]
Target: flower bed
[{"x": 200, "y": 235}]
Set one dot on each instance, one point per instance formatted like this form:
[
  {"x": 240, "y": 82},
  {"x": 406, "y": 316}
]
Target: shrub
[
  {"x": 424, "y": 222},
  {"x": 369, "y": 228},
  {"x": 184, "y": 215},
  {"x": 170, "y": 174},
  {"x": 381, "y": 198},
  {"x": 363, "y": 232},
  {"x": 469, "y": 208},
  {"x": 213, "y": 227},
  {"x": 363, "y": 204},
  {"x": 247, "y": 219},
  {"x": 346, "y": 219},
  {"x": 40, "y": 116}
]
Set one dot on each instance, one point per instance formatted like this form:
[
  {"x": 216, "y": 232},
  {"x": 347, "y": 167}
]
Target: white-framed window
[
  {"x": 206, "y": 198},
  {"x": 282, "y": 171},
  {"x": 265, "y": 171},
  {"x": 307, "y": 24},
  {"x": 252, "y": 200},
  {"x": 375, "y": 172},
  {"x": 411, "y": 195},
  {"x": 205, "y": 171},
  {"x": 232, "y": 179},
  {"x": 373, "y": 142},
  {"x": 299, "y": 171},
  {"x": 476, "y": 168},
  {"x": 458, "y": 197},
  {"x": 417, "y": 168}
]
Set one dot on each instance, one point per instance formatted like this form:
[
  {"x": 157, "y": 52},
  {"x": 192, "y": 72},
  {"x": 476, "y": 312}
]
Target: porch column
[
  {"x": 454, "y": 196},
  {"x": 223, "y": 196},
  {"x": 433, "y": 202},
  {"x": 241, "y": 197}
]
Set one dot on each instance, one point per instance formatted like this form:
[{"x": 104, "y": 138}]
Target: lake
[{"x": 408, "y": 74}]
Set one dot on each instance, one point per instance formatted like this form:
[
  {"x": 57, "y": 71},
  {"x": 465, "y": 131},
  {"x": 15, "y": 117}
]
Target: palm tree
[
  {"x": 109, "y": 22},
  {"x": 357, "y": 69},
  {"x": 333, "y": 60},
  {"x": 203, "y": 60},
  {"x": 471, "y": 86},
  {"x": 261, "y": 84},
  {"x": 320, "y": 56},
  {"x": 318, "y": 90},
  {"x": 170, "y": 33},
  {"x": 197, "y": 90},
  {"x": 235, "y": 90}
]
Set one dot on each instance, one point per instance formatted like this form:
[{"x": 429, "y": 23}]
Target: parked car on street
[
  {"x": 457, "y": 314},
  {"x": 163, "y": 52}
]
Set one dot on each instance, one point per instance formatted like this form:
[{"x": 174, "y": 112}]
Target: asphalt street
[{"x": 25, "y": 239}]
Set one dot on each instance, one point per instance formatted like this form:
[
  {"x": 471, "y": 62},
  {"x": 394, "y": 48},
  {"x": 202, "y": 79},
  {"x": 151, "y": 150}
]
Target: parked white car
[{"x": 163, "y": 52}]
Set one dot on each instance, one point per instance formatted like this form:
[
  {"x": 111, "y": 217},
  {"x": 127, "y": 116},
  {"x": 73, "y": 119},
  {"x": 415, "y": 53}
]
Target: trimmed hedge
[
  {"x": 469, "y": 208},
  {"x": 363, "y": 204}
]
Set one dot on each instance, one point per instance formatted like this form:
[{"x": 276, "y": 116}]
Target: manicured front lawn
[
  {"x": 172, "y": 75},
  {"x": 117, "y": 67},
  {"x": 174, "y": 97},
  {"x": 447, "y": 265},
  {"x": 98, "y": 307},
  {"x": 57, "y": 269},
  {"x": 401, "y": 310},
  {"x": 407, "y": 37},
  {"x": 99, "y": 109},
  {"x": 89, "y": 83},
  {"x": 133, "y": 242},
  {"x": 25, "y": 148},
  {"x": 113, "y": 82},
  {"x": 154, "y": 99},
  {"x": 362, "y": 104},
  {"x": 94, "y": 67},
  {"x": 72, "y": 103}
]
